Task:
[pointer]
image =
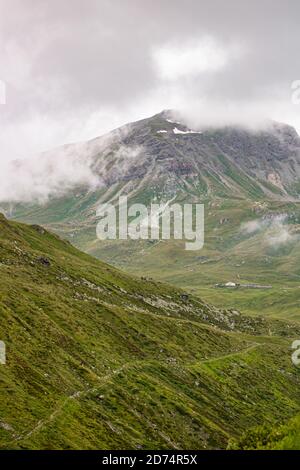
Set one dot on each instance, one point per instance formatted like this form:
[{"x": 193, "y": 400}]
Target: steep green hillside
[{"x": 98, "y": 359}]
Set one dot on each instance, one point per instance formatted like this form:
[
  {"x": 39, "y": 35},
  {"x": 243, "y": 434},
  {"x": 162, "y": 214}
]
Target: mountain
[
  {"x": 247, "y": 180},
  {"x": 99, "y": 359},
  {"x": 166, "y": 153},
  {"x": 226, "y": 162}
]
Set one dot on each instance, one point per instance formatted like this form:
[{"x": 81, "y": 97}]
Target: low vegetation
[{"x": 98, "y": 359}]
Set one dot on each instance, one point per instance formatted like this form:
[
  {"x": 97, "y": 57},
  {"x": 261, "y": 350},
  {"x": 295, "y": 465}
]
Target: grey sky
[{"x": 76, "y": 68}]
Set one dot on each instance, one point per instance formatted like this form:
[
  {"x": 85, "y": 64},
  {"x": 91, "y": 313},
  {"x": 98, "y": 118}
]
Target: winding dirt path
[{"x": 102, "y": 380}]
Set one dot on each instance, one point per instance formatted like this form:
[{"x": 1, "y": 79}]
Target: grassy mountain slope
[
  {"x": 267, "y": 256},
  {"x": 100, "y": 359}
]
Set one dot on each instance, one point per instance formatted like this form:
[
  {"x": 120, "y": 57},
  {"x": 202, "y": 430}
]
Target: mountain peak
[{"x": 164, "y": 147}]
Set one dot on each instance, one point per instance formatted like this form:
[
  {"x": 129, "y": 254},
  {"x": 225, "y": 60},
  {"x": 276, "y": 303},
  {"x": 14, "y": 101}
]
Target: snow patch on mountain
[{"x": 178, "y": 131}]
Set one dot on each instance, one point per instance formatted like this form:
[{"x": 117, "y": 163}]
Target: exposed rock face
[
  {"x": 275, "y": 179},
  {"x": 236, "y": 160},
  {"x": 44, "y": 261}
]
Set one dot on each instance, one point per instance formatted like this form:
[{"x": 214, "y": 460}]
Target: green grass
[
  {"x": 240, "y": 178},
  {"x": 99, "y": 359},
  {"x": 228, "y": 253},
  {"x": 285, "y": 436}
]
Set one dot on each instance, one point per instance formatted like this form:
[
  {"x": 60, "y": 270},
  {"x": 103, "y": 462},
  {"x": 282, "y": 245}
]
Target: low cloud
[
  {"x": 276, "y": 230},
  {"x": 51, "y": 174},
  {"x": 91, "y": 165},
  {"x": 280, "y": 236},
  {"x": 252, "y": 226}
]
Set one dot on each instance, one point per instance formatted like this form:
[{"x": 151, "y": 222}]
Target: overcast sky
[{"x": 74, "y": 69}]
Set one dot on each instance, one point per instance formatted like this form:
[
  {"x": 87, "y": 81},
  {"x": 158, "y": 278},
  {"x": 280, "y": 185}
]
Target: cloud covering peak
[{"x": 75, "y": 72}]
